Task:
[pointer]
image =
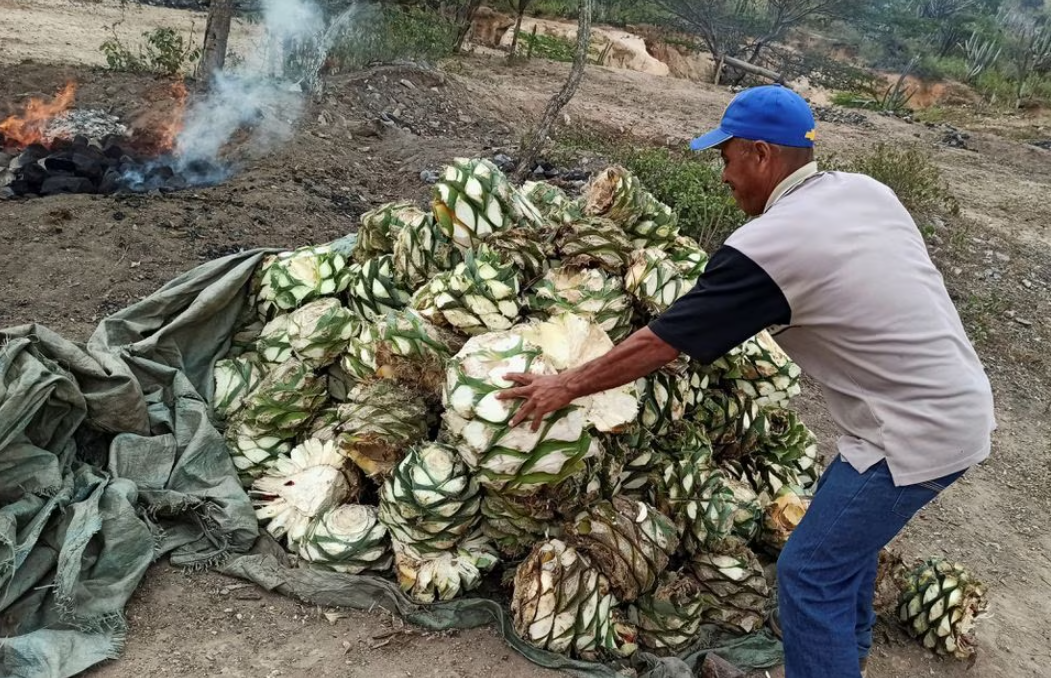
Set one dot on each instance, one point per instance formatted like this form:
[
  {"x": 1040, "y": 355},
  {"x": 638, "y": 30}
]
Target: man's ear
[{"x": 764, "y": 152}]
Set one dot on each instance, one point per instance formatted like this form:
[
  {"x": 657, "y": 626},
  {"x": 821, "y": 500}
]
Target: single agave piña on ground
[
  {"x": 380, "y": 228},
  {"x": 378, "y": 423},
  {"x": 481, "y": 294},
  {"x": 253, "y": 451},
  {"x": 444, "y": 575},
  {"x": 939, "y": 605},
  {"x": 285, "y": 400},
  {"x": 589, "y": 293},
  {"x": 298, "y": 488},
  {"x": 526, "y": 250},
  {"x": 628, "y": 541},
  {"x": 515, "y": 460},
  {"x": 669, "y": 618},
  {"x": 654, "y": 280},
  {"x": 373, "y": 289},
  {"x": 319, "y": 332},
  {"x": 273, "y": 346},
  {"x": 594, "y": 242},
  {"x": 422, "y": 250},
  {"x": 350, "y": 539},
  {"x": 234, "y": 379},
  {"x": 473, "y": 199},
  {"x": 562, "y": 603},
  {"x": 431, "y": 500},
  {"x": 782, "y": 516},
  {"x": 291, "y": 279},
  {"x": 733, "y": 588},
  {"x": 760, "y": 370}
]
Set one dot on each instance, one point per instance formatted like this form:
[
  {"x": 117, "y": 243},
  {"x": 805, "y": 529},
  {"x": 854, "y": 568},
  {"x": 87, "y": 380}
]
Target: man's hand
[{"x": 542, "y": 394}]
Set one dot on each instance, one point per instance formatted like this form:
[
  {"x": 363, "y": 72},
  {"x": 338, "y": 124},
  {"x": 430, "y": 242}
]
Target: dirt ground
[{"x": 71, "y": 260}]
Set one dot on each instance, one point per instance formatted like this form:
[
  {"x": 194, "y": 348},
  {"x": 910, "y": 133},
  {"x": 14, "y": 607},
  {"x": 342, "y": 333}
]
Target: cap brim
[{"x": 710, "y": 140}]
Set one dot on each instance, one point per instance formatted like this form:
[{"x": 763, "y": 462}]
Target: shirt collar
[{"x": 791, "y": 181}]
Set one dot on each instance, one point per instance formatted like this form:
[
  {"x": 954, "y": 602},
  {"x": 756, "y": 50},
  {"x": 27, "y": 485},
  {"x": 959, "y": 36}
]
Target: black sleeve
[{"x": 734, "y": 299}]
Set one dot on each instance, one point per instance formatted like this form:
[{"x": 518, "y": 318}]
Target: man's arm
[
  {"x": 638, "y": 355},
  {"x": 733, "y": 300}
]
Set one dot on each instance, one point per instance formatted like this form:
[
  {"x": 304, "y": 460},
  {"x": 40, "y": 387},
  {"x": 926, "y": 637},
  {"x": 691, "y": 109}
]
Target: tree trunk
[
  {"x": 518, "y": 26},
  {"x": 464, "y": 17},
  {"x": 569, "y": 88},
  {"x": 216, "y": 35}
]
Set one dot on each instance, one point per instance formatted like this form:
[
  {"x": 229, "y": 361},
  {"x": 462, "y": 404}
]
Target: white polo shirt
[{"x": 839, "y": 272}]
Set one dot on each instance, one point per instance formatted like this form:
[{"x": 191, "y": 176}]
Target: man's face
[{"x": 747, "y": 169}]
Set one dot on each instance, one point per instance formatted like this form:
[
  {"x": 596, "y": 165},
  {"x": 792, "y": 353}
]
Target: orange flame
[
  {"x": 29, "y": 127},
  {"x": 170, "y": 128}
]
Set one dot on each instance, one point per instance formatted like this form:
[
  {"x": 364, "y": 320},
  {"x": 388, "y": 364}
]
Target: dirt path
[{"x": 78, "y": 258}]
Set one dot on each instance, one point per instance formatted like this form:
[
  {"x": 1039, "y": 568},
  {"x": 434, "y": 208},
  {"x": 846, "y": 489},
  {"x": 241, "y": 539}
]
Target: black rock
[
  {"x": 80, "y": 141},
  {"x": 110, "y": 184},
  {"x": 160, "y": 174},
  {"x": 19, "y": 187},
  {"x": 113, "y": 150},
  {"x": 35, "y": 175},
  {"x": 88, "y": 164},
  {"x": 34, "y": 152},
  {"x": 576, "y": 175},
  {"x": 175, "y": 183},
  {"x": 57, "y": 164},
  {"x": 504, "y": 162},
  {"x": 61, "y": 144},
  {"x": 56, "y": 185}
]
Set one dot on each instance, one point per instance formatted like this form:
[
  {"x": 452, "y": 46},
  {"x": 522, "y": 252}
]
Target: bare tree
[
  {"x": 465, "y": 11},
  {"x": 744, "y": 28},
  {"x": 569, "y": 88},
  {"x": 216, "y": 37},
  {"x": 520, "y": 7}
]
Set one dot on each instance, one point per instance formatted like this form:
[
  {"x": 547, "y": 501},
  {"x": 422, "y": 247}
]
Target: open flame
[
  {"x": 30, "y": 127},
  {"x": 170, "y": 128}
]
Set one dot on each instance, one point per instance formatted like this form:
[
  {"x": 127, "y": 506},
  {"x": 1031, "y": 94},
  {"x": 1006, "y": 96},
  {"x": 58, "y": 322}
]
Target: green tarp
[{"x": 109, "y": 460}]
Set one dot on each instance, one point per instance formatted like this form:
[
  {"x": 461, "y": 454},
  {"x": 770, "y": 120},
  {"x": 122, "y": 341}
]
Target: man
[{"x": 835, "y": 267}]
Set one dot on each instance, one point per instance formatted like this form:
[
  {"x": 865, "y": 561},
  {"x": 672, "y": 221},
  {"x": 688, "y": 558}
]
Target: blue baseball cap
[{"x": 770, "y": 113}]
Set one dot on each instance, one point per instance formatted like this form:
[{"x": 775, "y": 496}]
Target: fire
[
  {"x": 29, "y": 127},
  {"x": 170, "y": 128}
]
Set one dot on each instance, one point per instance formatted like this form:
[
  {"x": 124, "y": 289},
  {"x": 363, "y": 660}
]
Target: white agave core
[{"x": 304, "y": 267}]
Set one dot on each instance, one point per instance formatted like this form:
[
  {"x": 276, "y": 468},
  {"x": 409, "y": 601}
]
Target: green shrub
[
  {"x": 909, "y": 172},
  {"x": 165, "y": 51},
  {"x": 545, "y": 46},
  {"x": 394, "y": 33},
  {"x": 688, "y": 182}
]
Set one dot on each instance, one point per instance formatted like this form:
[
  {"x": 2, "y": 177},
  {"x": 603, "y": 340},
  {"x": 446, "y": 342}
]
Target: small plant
[
  {"x": 691, "y": 184},
  {"x": 981, "y": 54},
  {"x": 910, "y": 173},
  {"x": 165, "y": 51},
  {"x": 397, "y": 33}
]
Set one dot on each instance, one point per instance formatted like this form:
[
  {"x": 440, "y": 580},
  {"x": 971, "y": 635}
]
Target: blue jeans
[{"x": 827, "y": 571}]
